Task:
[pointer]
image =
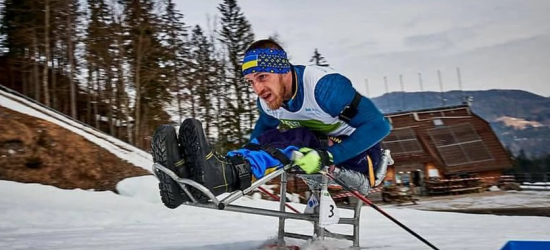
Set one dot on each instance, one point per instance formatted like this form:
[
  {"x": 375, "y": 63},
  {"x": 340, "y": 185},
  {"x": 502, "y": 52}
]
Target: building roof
[
  {"x": 437, "y": 109},
  {"x": 452, "y": 138}
]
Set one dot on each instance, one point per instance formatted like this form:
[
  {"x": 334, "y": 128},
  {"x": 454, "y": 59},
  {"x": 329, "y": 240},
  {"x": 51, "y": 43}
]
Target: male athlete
[{"x": 330, "y": 123}]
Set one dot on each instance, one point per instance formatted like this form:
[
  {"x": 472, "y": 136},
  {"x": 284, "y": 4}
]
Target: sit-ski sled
[{"x": 325, "y": 213}]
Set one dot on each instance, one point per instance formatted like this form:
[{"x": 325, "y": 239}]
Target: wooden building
[{"x": 445, "y": 150}]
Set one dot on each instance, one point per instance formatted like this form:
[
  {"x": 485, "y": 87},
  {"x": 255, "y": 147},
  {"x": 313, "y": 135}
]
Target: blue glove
[{"x": 313, "y": 160}]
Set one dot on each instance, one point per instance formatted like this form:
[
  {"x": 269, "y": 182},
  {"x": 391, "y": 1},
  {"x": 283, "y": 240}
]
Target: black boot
[
  {"x": 216, "y": 173},
  {"x": 165, "y": 151}
]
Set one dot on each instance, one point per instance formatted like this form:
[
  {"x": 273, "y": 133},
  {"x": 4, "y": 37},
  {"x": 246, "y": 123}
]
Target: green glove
[{"x": 313, "y": 160}]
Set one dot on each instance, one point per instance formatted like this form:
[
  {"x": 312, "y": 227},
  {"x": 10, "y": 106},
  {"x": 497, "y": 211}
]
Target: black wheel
[{"x": 166, "y": 152}]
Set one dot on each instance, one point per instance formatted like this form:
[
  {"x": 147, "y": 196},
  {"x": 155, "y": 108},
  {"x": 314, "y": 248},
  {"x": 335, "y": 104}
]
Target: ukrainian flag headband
[{"x": 265, "y": 60}]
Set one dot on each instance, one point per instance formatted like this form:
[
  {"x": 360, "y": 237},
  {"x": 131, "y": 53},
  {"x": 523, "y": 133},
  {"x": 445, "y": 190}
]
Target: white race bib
[{"x": 328, "y": 212}]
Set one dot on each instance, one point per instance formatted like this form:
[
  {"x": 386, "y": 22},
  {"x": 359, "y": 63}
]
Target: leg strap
[
  {"x": 242, "y": 169},
  {"x": 275, "y": 153}
]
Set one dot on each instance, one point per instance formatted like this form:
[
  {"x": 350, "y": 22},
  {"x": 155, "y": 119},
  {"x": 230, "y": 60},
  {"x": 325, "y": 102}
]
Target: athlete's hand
[{"x": 313, "y": 160}]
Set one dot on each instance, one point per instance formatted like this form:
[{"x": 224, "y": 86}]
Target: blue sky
[{"x": 497, "y": 44}]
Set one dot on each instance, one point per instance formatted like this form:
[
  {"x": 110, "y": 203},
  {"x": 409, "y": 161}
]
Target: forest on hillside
[{"x": 126, "y": 67}]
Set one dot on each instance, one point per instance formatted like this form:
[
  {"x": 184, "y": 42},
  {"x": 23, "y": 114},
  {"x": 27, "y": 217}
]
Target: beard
[{"x": 277, "y": 97}]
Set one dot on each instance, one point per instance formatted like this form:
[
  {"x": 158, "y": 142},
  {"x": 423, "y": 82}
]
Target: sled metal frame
[{"x": 225, "y": 204}]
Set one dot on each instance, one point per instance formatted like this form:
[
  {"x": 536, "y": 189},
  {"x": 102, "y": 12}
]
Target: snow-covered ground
[
  {"x": 536, "y": 186},
  {"x": 35, "y": 216},
  {"x": 497, "y": 199}
]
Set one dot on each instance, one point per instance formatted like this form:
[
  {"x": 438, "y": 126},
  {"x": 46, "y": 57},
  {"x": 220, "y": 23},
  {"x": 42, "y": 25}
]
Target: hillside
[
  {"x": 530, "y": 112},
  {"x": 40, "y": 151}
]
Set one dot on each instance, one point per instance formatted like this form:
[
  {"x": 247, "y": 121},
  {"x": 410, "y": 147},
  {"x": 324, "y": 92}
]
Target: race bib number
[{"x": 328, "y": 212}]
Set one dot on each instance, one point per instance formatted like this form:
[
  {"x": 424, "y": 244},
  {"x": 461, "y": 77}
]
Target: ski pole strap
[
  {"x": 325, "y": 158},
  {"x": 274, "y": 152},
  {"x": 323, "y": 140}
]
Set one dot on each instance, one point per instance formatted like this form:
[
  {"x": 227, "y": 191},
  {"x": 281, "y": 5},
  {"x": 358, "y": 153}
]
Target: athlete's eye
[{"x": 262, "y": 77}]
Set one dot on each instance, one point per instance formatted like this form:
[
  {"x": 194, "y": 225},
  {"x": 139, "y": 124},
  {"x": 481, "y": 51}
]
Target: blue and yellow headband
[{"x": 265, "y": 60}]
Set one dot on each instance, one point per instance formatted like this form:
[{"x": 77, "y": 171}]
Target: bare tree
[
  {"x": 70, "y": 55},
  {"x": 45, "y": 72}
]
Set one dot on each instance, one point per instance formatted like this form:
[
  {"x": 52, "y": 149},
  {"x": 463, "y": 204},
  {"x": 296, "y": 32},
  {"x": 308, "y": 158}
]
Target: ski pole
[{"x": 364, "y": 199}]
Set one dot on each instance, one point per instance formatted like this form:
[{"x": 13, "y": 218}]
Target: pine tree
[
  {"x": 177, "y": 50},
  {"x": 56, "y": 47},
  {"x": 205, "y": 81},
  {"x": 35, "y": 51},
  {"x": 14, "y": 23},
  {"x": 47, "y": 54},
  {"x": 236, "y": 35},
  {"x": 318, "y": 59},
  {"x": 70, "y": 39},
  {"x": 217, "y": 88},
  {"x": 98, "y": 57},
  {"x": 146, "y": 57},
  {"x": 22, "y": 22},
  {"x": 122, "y": 100},
  {"x": 34, "y": 43}
]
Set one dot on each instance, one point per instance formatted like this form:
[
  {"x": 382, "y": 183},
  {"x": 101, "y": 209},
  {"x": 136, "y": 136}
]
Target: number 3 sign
[{"x": 328, "y": 212}]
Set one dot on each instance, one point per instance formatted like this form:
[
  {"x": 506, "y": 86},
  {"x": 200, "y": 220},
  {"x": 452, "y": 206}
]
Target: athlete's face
[{"x": 269, "y": 87}]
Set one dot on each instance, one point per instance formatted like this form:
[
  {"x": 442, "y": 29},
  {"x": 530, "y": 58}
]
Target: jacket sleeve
[{"x": 333, "y": 93}]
